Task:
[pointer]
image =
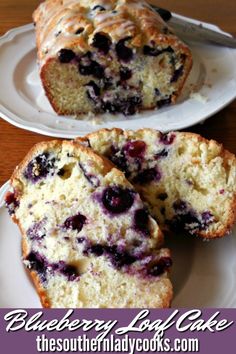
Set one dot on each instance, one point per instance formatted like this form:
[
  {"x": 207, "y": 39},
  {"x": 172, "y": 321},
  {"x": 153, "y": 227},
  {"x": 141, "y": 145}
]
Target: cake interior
[
  {"x": 88, "y": 240},
  {"x": 115, "y": 78},
  {"x": 188, "y": 182}
]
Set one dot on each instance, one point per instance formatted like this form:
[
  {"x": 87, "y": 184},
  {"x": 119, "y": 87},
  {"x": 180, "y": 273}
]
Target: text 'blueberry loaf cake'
[
  {"x": 189, "y": 182},
  {"x": 114, "y": 56},
  {"x": 87, "y": 239}
]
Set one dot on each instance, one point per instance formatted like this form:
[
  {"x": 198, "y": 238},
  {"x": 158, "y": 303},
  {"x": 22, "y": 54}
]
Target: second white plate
[{"x": 23, "y": 103}]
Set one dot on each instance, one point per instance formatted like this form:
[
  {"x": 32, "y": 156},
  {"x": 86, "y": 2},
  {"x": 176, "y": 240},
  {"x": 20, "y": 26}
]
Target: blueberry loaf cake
[
  {"x": 114, "y": 56},
  {"x": 188, "y": 181},
  {"x": 87, "y": 238}
]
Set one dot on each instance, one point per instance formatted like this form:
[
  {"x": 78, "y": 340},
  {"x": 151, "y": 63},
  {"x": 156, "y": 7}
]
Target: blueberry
[
  {"x": 119, "y": 258},
  {"x": 162, "y": 196},
  {"x": 80, "y": 239},
  {"x": 141, "y": 221},
  {"x": 159, "y": 267},
  {"x": 147, "y": 176},
  {"x": 11, "y": 202},
  {"x": 117, "y": 200},
  {"x": 130, "y": 106},
  {"x": 207, "y": 217},
  {"x": 37, "y": 264},
  {"x": 93, "y": 68},
  {"x": 147, "y": 50},
  {"x": 167, "y": 139},
  {"x": 126, "y": 106},
  {"x": 124, "y": 53},
  {"x": 87, "y": 66},
  {"x": 97, "y": 70},
  {"x": 101, "y": 42},
  {"x": 66, "y": 55},
  {"x": 107, "y": 82},
  {"x": 180, "y": 206},
  {"x": 97, "y": 250},
  {"x": 93, "y": 90},
  {"x": 187, "y": 219},
  {"x": 37, "y": 231},
  {"x": 39, "y": 167},
  {"x": 164, "y": 102},
  {"x": 95, "y": 87},
  {"x": 125, "y": 73},
  {"x": 67, "y": 270},
  {"x": 177, "y": 74},
  {"x": 162, "y": 153},
  {"x": 70, "y": 272},
  {"x": 75, "y": 222},
  {"x": 135, "y": 149},
  {"x": 85, "y": 69},
  {"x": 61, "y": 172},
  {"x": 110, "y": 107},
  {"x": 79, "y": 30},
  {"x": 119, "y": 159}
]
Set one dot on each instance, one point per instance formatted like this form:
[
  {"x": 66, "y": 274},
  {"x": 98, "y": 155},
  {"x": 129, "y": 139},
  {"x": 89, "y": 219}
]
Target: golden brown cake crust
[
  {"x": 229, "y": 161},
  {"x": 128, "y": 18}
]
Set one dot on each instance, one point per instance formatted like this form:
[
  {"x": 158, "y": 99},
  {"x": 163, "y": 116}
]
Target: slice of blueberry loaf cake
[
  {"x": 189, "y": 182},
  {"x": 115, "y": 56},
  {"x": 87, "y": 238}
]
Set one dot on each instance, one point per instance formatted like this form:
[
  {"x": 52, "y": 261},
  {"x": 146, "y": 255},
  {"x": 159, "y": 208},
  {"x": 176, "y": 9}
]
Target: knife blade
[{"x": 197, "y": 32}]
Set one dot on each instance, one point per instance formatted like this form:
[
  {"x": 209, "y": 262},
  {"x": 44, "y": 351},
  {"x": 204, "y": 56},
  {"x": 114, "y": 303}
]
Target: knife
[{"x": 196, "y": 32}]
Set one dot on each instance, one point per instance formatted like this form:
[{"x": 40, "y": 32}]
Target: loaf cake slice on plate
[
  {"x": 87, "y": 238},
  {"x": 189, "y": 182},
  {"x": 108, "y": 56}
]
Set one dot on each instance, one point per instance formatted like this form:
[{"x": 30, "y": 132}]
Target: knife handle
[{"x": 165, "y": 14}]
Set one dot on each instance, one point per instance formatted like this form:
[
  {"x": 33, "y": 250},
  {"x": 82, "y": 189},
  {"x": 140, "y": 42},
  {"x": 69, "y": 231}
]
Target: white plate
[
  {"x": 23, "y": 103},
  {"x": 204, "y": 273}
]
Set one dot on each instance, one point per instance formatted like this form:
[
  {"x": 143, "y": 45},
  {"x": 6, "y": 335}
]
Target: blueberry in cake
[
  {"x": 189, "y": 182},
  {"x": 87, "y": 238},
  {"x": 108, "y": 56}
]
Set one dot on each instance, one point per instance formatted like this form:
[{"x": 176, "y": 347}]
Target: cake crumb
[{"x": 199, "y": 97}]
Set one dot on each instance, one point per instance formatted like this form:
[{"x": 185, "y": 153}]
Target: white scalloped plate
[
  {"x": 23, "y": 103},
  {"x": 203, "y": 275}
]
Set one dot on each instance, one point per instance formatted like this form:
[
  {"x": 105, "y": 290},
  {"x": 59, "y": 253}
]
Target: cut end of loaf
[
  {"x": 109, "y": 86},
  {"x": 102, "y": 68}
]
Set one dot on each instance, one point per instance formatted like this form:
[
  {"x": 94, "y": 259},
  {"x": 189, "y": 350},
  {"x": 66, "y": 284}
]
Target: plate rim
[
  {"x": 13, "y": 119},
  {"x": 3, "y": 189}
]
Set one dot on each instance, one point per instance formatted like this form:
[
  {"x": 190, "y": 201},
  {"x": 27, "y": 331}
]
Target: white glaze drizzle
[{"x": 116, "y": 21}]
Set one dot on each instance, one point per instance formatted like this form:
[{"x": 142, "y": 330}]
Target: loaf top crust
[{"x": 72, "y": 24}]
